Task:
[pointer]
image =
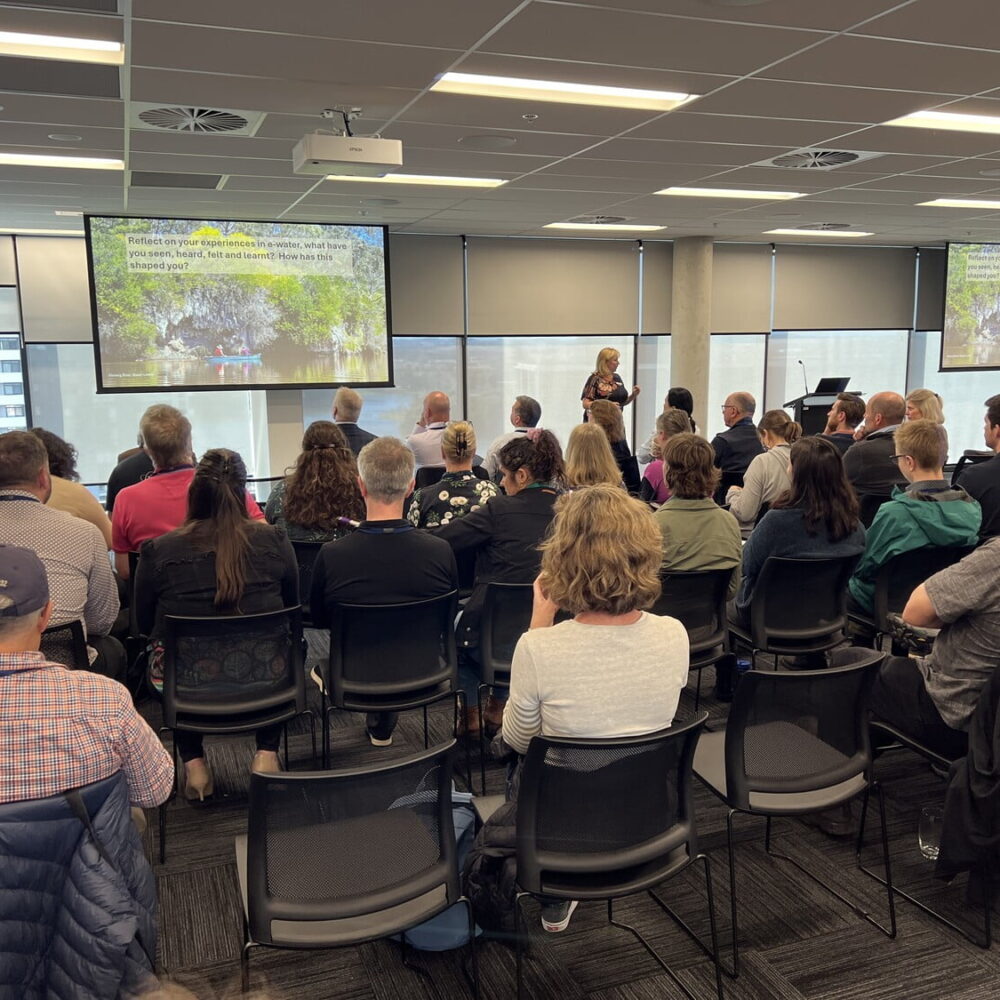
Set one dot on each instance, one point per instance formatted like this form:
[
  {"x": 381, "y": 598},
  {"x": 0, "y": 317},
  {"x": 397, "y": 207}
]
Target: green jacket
[
  {"x": 927, "y": 515},
  {"x": 700, "y": 535}
]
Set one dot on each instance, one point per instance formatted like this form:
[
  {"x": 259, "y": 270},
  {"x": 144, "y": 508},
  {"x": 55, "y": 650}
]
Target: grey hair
[
  {"x": 385, "y": 466},
  {"x": 347, "y": 403},
  {"x": 745, "y": 402},
  {"x": 11, "y": 627}
]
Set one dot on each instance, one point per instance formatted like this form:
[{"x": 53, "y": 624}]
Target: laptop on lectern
[{"x": 830, "y": 386}]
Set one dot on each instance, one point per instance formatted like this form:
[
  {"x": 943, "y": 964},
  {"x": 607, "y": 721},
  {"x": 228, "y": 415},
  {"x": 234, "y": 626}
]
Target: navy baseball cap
[{"x": 24, "y": 585}]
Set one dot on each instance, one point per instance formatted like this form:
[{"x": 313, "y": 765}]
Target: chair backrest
[
  {"x": 967, "y": 458},
  {"x": 800, "y": 605},
  {"x": 801, "y": 730},
  {"x": 606, "y": 815},
  {"x": 505, "y": 618},
  {"x": 391, "y": 650},
  {"x": 69, "y": 637},
  {"x": 902, "y": 574},
  {"x": 336, "y": 845},
  {"x": 726, "y": 480},
  {"x": 305, "y": 556},
  {"x": 428, "y": 475},
  {"x": 868, "y": 505},
  {"x": 698, "y": 601},
  {"x": 232, "y": 673}
]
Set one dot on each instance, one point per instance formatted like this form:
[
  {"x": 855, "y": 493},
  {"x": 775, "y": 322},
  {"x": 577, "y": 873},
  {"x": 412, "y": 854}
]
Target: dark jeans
[
  {"x": 900, "y": 698},
  {"x": 189, "y": 745}
]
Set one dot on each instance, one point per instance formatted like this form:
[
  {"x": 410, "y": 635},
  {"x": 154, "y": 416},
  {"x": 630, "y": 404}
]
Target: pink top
[
  {"x": 654, "y": 475},
  {"x": 155, "y": 506}
]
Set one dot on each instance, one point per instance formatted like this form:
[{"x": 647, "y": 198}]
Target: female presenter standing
[{"x": 606, "y": 383}]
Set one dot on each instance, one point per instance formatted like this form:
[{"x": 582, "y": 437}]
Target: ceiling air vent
[
  {"x": 195, "y": 120},
  {"x": 825, "y": 227},
  {"x": 816, "y": 159},
  {"x": 601, "y": 220}
]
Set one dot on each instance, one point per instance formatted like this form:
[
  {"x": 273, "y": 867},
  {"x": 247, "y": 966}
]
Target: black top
[
  {"x": 737, "y": 447},
  {"x": 601, "y": 387},
  {"x": 869, "y": 465},
  {"x": 382, "y": 562},
  {"x": 842, "y": 440},
  {"x": 628, "y": 466},
  {"x": 174, "y": 577},
  {"x": 127, "y": 472},
  {"x": 982, "y": 481},
  {"x": 505, "y": 535},
  {"x": 356, "y": 437}
]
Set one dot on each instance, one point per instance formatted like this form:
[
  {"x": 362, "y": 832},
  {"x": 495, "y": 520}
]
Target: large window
[
  {"x": 654, "y": 380},
  {"x": 736, "y": 363}
]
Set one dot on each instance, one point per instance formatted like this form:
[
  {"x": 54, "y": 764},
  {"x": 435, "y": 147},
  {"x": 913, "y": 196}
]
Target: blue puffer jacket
[{"x": 73, "y": 926}]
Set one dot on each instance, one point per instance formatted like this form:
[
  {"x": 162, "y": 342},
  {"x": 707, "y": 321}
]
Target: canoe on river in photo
[{"x": 234, "y": 357}]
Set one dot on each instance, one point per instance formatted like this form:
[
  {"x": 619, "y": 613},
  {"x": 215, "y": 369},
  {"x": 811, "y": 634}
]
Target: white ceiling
[{"x": 774, "y": 76}]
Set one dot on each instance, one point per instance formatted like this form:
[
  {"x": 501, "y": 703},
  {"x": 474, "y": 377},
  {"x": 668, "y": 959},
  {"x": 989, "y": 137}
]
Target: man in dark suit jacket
[
  {"x": 982, "y": 481},
  {"x": 870, "y": 464},
  {"x": 738, "y": 446},
  {"x": 346, "y": 410},
  {"x": 386, "y": 560}
]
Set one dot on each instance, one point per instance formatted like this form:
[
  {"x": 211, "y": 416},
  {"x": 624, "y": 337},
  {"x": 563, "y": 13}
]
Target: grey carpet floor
[{"x": 798, "y": 943}]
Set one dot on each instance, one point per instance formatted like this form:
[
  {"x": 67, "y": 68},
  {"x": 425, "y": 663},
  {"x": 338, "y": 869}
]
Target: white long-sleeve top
[{"x": 764, "y": 481}]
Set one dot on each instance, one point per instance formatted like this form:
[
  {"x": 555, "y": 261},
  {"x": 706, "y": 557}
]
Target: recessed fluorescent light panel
[
  {"x": 60, "y": 211},
  {"x": 961, "y": 203},
  {"x": 597, "y": 226},
  {"x": 950, "y": 121},
  {"x": 77, "y": 162},
  {"x": 683, "y": 192},
  {"x": 91, "y": 50},
  {"x": 836, "y": 233},
  {"x": 428, "y": 179},
  {"x": 515, "y": 88}
]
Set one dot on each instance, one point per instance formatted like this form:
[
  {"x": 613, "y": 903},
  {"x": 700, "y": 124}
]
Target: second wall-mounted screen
[{"x": 971, "y": 334}]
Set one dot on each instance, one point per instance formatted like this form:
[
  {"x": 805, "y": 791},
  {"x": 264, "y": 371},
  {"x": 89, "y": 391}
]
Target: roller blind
[
  {"x": 8, "y": 272},
  {"x": 426, "y": 279},
  {"x": 930, "y": 289},
  {"x": 741, "y": 288},
  {"x": 552, "y": 286},
  {"x": 55, "y": 293},
  {"x": 849, "y": 288},
  {"x": 657, "y": 286}
]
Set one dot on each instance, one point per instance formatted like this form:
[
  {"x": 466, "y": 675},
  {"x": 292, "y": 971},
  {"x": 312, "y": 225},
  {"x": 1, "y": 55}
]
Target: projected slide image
[
  {"x": 971, "y": 335},
  {"x": 213, "y": 304}
]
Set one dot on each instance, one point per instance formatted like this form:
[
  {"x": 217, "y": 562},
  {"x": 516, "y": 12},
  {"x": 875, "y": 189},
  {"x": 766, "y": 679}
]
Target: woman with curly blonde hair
[
  {"x": 320, "y": 489},
  {"x": 589, "y": 459}
]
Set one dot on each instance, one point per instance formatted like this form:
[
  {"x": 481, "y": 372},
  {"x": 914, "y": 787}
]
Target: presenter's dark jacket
[
  {"x": 382, "y": 562},
  {"x": 504, "y": 535},
  {"x": 356, "y": 437},
  {"x": 982, "y": 481},
  {"x": 869, "y": 465},
  {"x": 737, "y": 447}
]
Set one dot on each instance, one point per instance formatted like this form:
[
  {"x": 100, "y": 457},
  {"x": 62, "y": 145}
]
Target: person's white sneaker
[{"x": 556, "y": 916}]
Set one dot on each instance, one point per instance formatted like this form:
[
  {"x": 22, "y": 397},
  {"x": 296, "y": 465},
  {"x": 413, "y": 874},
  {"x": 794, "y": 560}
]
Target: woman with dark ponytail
[
  {"x": 504, "y": 536},
  {"x": 218, "y": 562},
  {"x": 321, "y": 488}
]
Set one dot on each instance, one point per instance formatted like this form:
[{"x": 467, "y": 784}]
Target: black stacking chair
[
  {"x": 335, "y": 858},
  {"x": 505, "y": 618},
  {"x": 305, "y": 556},
  {"x": 428, "y": 475},
  {"x": 868, "y": 505},
  {"x": 726, "y": 480},
  {"x": 231, "y": 674},
  {"x": 796, "y": 743},
  {"x": 799, "y": 606},
  {"x": 899, "y": 577},
  {"x": 609, "y": 818},
  {"x": 970, "y": 456},
  {"x": 68, "y": 635},
  {"x": 698, "y": 601}
]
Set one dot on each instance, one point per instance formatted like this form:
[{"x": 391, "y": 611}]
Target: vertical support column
[
  {"x": 284, "y": 428},
  {"x": 690, "y": 327}
]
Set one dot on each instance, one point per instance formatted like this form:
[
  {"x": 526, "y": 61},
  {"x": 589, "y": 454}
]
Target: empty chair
[
  {"x": 796, "y": 743},
  {"x": 607, "y": 818},
  {"x": 337, "y": 858}
]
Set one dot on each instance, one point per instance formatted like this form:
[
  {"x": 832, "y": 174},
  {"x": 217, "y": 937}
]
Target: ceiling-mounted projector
[{"x": 354, "y": 155}]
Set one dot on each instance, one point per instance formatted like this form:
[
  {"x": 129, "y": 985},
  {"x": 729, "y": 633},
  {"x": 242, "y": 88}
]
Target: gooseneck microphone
[{"x": 805, "y": 381}]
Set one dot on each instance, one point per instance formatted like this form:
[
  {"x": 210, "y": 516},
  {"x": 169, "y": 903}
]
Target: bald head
[
  {"x": 437, "y": 408},
  {"x": 347, "y": 405},
  {"x": 738, "y": 405},
  {"x": 884, "y": 409}
]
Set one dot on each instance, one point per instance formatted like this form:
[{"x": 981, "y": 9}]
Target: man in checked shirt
[{"x": 61, "y": 728}]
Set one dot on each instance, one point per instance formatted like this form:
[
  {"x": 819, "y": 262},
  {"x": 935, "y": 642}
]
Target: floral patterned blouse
[{"x": 453, "y": 496}]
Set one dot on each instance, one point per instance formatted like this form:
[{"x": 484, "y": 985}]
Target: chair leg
[
  {"x": 284, "y": 737},
  {"x": 324, "y": 715},
  {"x": 162, "y": 811},
  {"x": 473, "y": 948},
  {"x": 519, "y": 944},
  {"x": 427, "y": 741},
  {"x": 697, "y": 690},
  {"x": 732, "y": 896},
  {"x": 467, "y": 739},
  {"x": 482, "y": 737},
  {"x": 248, "y": 945}
]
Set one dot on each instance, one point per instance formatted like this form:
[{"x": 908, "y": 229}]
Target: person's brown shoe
[
  {"x": 493, "y": 713},
  {"x": 469, "y": 722}
]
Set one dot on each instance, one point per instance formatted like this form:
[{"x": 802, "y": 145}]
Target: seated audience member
[
  {"x": 504, "y": 536},
  {"x": 615, "y": 669},
  {"x": 924, "y": 404},
  {"x": 347, "y": 405},
  {"x": 425, "y": 438},
  {"x": 738, "y": 446},
  {"x": 677, "y": 398},
  {"x": 80, "y": 727},
  {"x": 696, "y": 533},
  {"x": 524, "y": 414},
  {"x": 589, "y": 459},
  {"x": 766, "y": 477},
  {"x": 816, "y": 519},
  {"x": 929, "y": 513},
  {"x": 459, "y": 491},
  {"x": 843, "y": 419},
  {"x": 869, "y": 464},
  {"x": 160, "y": 503},
  {"x": 73, "y": 551},
  {"x": 133, "y": 467},
  {"x": 218, "y": 562},
  {"x": 654, "y": 488},
  {"x": 982, "y": 481},
  {"x": 608, "y": 416},
  {"x": 322, "y": 488},
  {"x": 386, "y": 560},
  {"x": 932, "y": 698},
  {"x": 67, "y": 492}
]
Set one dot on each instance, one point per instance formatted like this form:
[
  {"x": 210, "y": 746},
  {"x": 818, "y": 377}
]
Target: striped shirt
[{"x": 61, "y": 729}]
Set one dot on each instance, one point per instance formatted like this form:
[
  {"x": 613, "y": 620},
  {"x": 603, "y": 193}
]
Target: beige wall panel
[{"x": 741, "y": 288}]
